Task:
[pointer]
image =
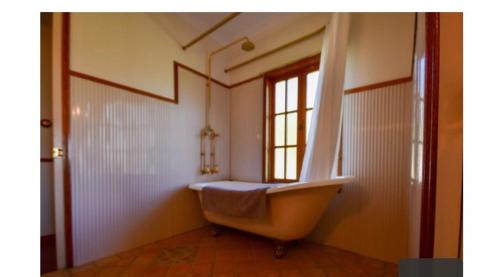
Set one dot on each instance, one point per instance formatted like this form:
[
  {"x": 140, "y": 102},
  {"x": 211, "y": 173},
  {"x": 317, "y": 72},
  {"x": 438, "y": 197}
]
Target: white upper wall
[
  {"x": 134, "y": 49},
  {"x": 138, "y": 49},
  {"x": 250, "y": 24},
  {"x": 290, "y": 32},
  {"x": 380, "y": 47}
]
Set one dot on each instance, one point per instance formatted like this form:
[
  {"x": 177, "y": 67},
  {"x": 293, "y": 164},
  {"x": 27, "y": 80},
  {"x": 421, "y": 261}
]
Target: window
[{"x": 292, "y": 92}]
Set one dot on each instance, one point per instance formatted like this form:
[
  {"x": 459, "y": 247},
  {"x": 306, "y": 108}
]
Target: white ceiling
[{"x": 253, "y": 25}]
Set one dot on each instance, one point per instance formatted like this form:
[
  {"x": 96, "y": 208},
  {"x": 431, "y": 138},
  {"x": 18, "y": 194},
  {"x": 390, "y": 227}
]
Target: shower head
[{"x": 247, "y": 45}]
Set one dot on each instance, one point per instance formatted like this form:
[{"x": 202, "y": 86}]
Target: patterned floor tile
[{"x": 233, "y": 253}]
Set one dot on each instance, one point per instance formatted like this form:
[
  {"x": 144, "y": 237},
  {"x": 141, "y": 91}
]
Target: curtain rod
[
  {"x": 211, "y": 30},
  {"x": 272, "y": 51}
]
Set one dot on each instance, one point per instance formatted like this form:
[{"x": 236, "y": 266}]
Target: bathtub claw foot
[
  {"x": 216, "y": 230},
  {"x": 280, "y": 250}
]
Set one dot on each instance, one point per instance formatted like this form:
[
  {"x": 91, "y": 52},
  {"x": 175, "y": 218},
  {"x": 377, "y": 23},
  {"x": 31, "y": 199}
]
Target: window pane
[
  {"x": 292, "y": 92},
  {"x": 291, "y": 163},
  {"x": 279, "y": 163},
  {"x": 279, "y": 130},
  {"x": 279, "y": 105},
  {"x": 291, "y": 128},
  {"x": 312, "y": 84},
  {"x": 308, "y": 122}
]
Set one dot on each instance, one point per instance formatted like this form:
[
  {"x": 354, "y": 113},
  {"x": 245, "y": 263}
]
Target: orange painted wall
[{"x": 450, "y": 137}]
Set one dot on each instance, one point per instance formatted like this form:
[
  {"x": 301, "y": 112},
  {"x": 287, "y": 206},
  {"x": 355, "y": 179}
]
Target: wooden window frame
[{"x": 299, "y": 69}]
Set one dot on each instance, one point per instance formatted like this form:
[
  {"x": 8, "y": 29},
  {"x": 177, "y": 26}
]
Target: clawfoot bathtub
[{"x": 293, "y": 209}]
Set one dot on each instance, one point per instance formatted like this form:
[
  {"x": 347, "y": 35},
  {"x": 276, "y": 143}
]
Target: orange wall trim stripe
[
  {"x": 379, "y": 85},
  {"x": 121, "y": 86},
  {"x": 177, "y": 65},
  {"x": 192, "y": 70},
  {"x": 176, "y": 84},
  {"x": 246, "y": 81}
]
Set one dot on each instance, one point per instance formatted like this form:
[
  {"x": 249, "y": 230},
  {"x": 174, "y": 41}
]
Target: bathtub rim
[{"x": 282, "y": 187}]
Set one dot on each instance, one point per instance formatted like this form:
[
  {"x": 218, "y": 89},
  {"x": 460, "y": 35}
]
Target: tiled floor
[{"x": 232, "y": 253}]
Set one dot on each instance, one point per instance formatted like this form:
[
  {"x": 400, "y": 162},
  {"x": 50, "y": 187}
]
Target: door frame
[
  {"x": 61, "y": 134},
  {"x": 66, "y": 119},
  {"x": 431, "y": 112}
]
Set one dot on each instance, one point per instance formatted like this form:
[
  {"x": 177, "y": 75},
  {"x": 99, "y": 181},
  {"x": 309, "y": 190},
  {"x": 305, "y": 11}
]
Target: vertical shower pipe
[{"x": 208, "y": 131}]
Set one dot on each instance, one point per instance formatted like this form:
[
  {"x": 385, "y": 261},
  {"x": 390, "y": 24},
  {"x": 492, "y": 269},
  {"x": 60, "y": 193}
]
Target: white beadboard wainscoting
[
  {"x": 131, "y": 159},
  {"x": 370, "y": 216}
]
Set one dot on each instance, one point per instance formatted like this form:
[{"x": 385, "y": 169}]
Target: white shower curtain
[{"x": 321, "y": 156}]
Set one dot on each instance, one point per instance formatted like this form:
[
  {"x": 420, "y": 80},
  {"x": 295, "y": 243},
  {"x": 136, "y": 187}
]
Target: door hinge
[{"x": 57, "y": 152}]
